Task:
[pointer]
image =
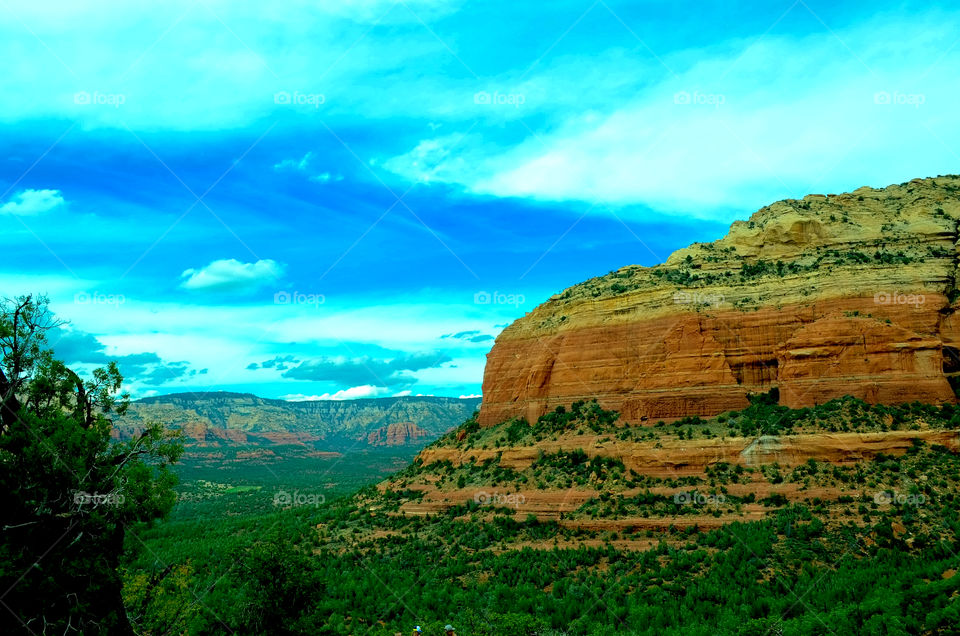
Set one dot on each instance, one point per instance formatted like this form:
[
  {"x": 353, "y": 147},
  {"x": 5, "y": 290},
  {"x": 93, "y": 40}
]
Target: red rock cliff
[{"x": 820, "y": 297}]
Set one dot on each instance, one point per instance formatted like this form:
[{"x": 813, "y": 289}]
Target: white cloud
[
  {"x": 450, "y": 158},
  {"x": 353, "y": 393},
  {"x": 473, "y": 395},
  {"x": 33, "y": 202},
  {"x": 325, "y": 177},
  {"x": 738, "y": 127},
  {"x": 298, "y": 165},
  {"x": 232, "y": 275},
  {"x": 302, "y": 165},
  {"x": 409, "y": 393}
]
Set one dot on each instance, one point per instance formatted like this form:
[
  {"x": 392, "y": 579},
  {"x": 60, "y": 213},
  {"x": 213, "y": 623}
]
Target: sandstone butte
[{"x": 831, "y": 295}]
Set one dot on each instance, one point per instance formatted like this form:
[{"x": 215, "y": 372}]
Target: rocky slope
[
  {"x": 223, "y": 419},
  {"x": 676, "y": 458},
  {"x": 850, "y": 294},
  {"x": 586, "y": 471},
  {"x": 769, "y": 493}
]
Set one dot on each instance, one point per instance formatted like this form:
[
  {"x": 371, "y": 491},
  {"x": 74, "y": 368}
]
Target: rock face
[
  {"x": 398, "y": 434},
  {"x": 820, "y": 297}
]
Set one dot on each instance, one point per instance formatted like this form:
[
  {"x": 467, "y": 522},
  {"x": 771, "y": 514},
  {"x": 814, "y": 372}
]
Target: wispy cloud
[
  {"x": 298, "y": 165},
  {"x": 350, "y": 372},
  {"x": 473, "y": 335},
  {"x": 146, "y": 369},
  {"x": 737, "y": 127},
  {"x": 280, "y": 363}
]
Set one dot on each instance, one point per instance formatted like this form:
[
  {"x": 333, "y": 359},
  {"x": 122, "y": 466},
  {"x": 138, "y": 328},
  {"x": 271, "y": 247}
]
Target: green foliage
[
  {"x": 590, "y": 413},
  {"x": 72, "y": 493},
  {"x": 281, "y": 588},
  {"x": 725, "y": 581},
  {"x": 517, "y": 432},
  {"x": 578, "y": 464}
]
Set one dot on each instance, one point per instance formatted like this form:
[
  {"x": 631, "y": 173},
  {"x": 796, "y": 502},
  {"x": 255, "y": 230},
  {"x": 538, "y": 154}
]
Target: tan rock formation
[{"x": 821, "y": 297}]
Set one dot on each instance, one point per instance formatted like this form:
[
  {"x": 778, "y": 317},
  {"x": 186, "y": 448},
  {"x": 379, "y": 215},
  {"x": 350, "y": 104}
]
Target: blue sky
[{"x": 352, "y": 198}]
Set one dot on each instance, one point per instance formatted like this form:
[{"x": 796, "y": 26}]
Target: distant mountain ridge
[{"x": 225, "y": 418}]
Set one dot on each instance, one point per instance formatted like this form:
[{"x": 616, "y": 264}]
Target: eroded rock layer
[
  {"x": 850, "y": 294},
  {"x": 677, "y": 458}
]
